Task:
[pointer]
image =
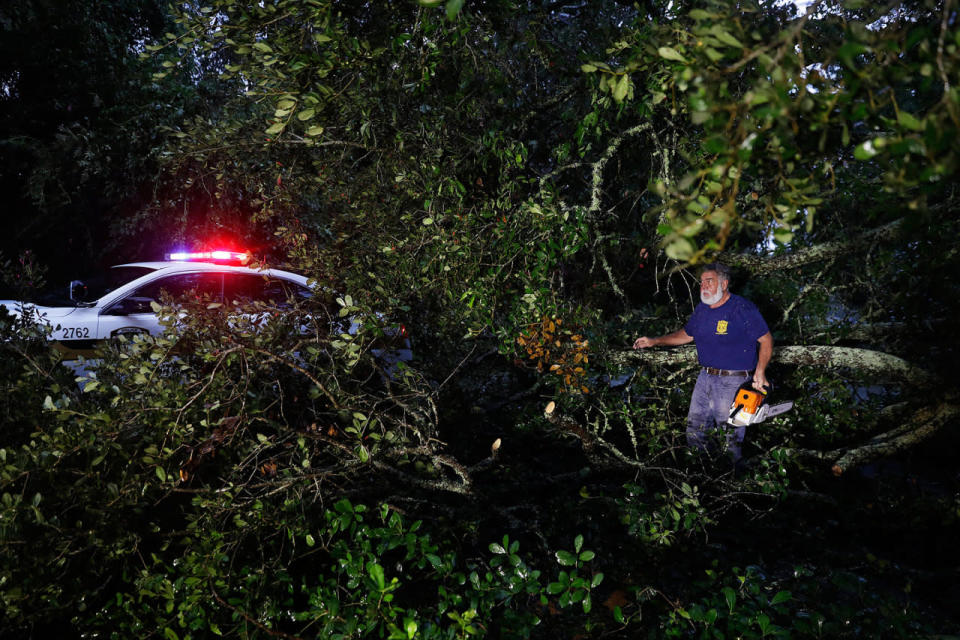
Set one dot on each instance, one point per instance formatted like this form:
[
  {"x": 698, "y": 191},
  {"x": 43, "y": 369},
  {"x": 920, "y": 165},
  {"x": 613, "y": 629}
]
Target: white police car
[{"x": 118, "y": 302}]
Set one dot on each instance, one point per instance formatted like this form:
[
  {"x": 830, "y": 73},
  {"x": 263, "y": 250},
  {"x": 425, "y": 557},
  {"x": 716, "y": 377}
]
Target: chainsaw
[{"x": 749, "y": 407}]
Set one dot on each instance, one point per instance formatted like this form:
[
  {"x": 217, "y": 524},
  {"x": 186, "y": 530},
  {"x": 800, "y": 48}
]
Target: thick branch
[
  {"x": 863, "y": 360},
  {"x": 763, "y": 265},
  {"x": 925, "y": 424},
  {"x": 597, "y": 181}
]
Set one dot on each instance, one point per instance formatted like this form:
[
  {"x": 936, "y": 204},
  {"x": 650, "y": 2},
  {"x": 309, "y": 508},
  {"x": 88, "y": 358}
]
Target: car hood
[{"x": 17, "y": 308}]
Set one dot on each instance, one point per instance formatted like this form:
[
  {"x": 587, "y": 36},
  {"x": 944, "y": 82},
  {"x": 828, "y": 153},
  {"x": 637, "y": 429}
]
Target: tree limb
[
  {"x": 830, "y": 357},
  {"x": 763, "y": 265},
  {"x": 927, "y": 422}
]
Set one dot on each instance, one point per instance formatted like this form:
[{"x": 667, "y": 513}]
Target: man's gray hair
[{"x": 722, "y": 270}]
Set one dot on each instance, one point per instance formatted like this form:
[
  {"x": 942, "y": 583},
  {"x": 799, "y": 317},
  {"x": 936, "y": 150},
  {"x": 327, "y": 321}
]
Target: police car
[{"x": 120, "y": 301}]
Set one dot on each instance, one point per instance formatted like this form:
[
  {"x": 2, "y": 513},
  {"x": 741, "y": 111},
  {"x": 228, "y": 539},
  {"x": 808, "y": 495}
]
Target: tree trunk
[{"x": 882, "y": 366}]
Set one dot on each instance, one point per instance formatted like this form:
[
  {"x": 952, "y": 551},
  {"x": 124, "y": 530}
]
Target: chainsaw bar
[{"x": 770, "y": 410}]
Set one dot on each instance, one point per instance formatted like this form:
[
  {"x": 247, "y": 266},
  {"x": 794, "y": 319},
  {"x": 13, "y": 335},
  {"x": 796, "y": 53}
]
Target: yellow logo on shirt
[{"x": 722, "y": 328}]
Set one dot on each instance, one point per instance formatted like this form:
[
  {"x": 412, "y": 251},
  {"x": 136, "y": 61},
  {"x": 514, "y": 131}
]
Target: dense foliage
[{"x": 527, "y": 186}]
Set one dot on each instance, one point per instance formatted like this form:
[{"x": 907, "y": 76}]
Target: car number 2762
[{"x": 75, "y": 333}]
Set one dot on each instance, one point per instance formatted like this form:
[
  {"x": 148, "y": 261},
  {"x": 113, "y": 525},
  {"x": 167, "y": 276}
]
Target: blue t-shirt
[{"x": 726, "y": 337}]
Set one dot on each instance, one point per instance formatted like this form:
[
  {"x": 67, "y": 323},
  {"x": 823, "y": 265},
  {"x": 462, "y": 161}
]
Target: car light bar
[{"x": 211, "y": 256}]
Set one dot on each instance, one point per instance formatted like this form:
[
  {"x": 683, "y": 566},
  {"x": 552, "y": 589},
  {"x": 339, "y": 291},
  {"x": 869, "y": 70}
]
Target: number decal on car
[{"x": 76, "y": 333}]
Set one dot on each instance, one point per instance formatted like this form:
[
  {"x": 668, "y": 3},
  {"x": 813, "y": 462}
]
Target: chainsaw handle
[{"x": 767, "y": 388}]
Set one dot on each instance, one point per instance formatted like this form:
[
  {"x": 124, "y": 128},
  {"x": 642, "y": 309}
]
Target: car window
[
  {"x": 184, "y": 286},
  {"x": 90, "y": 288},
  {"x": 241, "y": 288}
]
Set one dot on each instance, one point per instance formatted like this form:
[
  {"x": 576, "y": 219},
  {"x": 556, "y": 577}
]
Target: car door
[
  {"x": 244, "y": 288},
  {"x": 134, "y": 313},
  {"x": 272, "y": 294}
]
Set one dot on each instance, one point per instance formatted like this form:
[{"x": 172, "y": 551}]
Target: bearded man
[{"x": 733, "y": 345}]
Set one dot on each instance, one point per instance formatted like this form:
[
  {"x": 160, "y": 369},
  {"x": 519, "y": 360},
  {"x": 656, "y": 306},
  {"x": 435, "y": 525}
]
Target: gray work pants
[{"x": 709, "y": 409}]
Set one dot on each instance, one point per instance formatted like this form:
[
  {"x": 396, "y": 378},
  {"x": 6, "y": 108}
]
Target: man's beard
[{"x": 714, "y": 299}]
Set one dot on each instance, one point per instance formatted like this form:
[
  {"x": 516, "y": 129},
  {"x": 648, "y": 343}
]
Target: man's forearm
[
  {"x": 673, "y": 339},
  {"x": 765, "y": 352}
]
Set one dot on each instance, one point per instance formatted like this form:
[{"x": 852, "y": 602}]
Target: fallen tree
[
  {"x": 877, "y": 363},
  {"x": 914, "y": 424}
]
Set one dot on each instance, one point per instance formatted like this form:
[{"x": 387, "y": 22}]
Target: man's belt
[{"x": 725, "y": 372}]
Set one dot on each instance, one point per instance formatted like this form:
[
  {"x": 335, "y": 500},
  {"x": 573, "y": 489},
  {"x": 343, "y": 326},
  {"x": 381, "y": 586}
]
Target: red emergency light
[{"x": 210, "y": 256}]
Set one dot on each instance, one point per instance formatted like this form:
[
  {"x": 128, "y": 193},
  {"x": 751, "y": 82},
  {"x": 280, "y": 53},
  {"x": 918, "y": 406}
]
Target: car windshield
[{"x": 92, "y": 288}]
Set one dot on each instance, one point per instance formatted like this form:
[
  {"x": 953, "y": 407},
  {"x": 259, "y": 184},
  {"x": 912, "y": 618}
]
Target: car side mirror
[
  {"x": 77, "y": 291},
  {"x": 131, "y": 305}
]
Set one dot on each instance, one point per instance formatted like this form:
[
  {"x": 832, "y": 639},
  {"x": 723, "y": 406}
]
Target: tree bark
[
  {"x": 877, "y": 363},
  {"x": 927, "y": 422},
  {"x": 763, "y": 265}
]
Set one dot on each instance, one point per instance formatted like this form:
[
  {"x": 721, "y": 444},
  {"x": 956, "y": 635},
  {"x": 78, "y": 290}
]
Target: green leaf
[
  {"x": 670, "y": 54},
  {"x": 377, "y": 575},
  {"x": 262, "y": 46},
  {"x": 783, "y": 236},
  {"x": 679, "y": 249},
  {"x": 496, "y": 548},
  {"x": 309, "y": 540},
  {"x": 725, "y": 37},
  {"x": 731, "y": 597},
  {"x": 587, "y": 556},
  {"x": 453, "y": 8},
  {"x": 161, "y": 474},
  {"x": 866, "y": 150},
  {"x": 275, "y": 128},
  {"x": 781, "y": 597},
  {"x": 566, "y": 558},
  {"x": 306, "y": 114},
  {"x": 763, "y": 620},
  {"x": 315, "y": 130},
  {"x": 622, "y": 88},
  {"x": 909, "y": 121},
  {"x": 699, "y": 117},
  {"x": 578, "y": 543},
  {"x": 713, "y": 54}
]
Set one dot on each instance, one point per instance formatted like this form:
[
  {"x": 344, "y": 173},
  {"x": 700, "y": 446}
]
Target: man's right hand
[{"x": 643, "y": 343}]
